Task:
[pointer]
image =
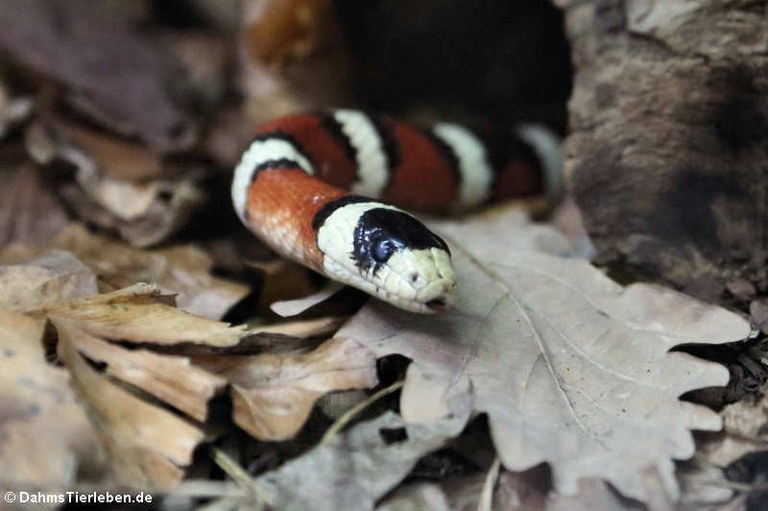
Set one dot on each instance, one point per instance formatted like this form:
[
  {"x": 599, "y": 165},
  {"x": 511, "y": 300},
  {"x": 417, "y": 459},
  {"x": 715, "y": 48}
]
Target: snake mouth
[{"x": 437, "y": 305}]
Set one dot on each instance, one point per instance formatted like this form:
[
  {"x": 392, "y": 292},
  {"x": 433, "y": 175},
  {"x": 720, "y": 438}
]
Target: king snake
[{"x": 319, "y": 189}]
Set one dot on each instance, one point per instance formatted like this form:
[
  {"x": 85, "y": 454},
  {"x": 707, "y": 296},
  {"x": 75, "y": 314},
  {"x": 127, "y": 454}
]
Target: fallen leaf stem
[
  {"x": 485, "y": 503},
  {"x": 350, "y": 414},
  {"x": 237, "y": 474}
]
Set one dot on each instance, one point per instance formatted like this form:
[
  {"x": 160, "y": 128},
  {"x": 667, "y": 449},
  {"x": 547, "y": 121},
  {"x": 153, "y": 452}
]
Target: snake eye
[{"x": 382, "y": 249}]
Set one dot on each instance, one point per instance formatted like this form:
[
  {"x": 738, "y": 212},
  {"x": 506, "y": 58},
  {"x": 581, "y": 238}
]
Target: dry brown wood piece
[{"x": 669, "y": 120}]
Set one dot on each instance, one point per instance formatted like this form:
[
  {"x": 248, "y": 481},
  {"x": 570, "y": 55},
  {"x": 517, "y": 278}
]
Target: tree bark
[{"x": 668, "y": 148}]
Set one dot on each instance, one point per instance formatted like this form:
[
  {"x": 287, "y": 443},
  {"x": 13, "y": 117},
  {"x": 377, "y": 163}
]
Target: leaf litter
[
  {"x": 183, "y": 270},
  {"x": 46, "y": 438},
  {"x": 122, "y": 86},
  {"x": 571, "y": 368},
  {"x": 150, "y": 442},
  {"x": 573, "y": 372}
]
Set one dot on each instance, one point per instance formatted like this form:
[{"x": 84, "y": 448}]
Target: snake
[{"x": 333, "y": 191}]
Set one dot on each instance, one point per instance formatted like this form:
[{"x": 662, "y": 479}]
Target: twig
[
  {"x": 239, "y": 476},
  {"x": 350, "y": 414},
  {"x": 486, "y": 495}
]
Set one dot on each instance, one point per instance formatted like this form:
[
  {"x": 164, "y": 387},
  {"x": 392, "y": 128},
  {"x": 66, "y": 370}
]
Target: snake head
[{"x": 389, "y": 254}]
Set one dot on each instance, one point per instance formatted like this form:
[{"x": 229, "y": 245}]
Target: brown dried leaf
[
  {"x": 115, "y": 157},
  {"x": 283, "y": 280},
  {"x": 56, "y": 275},
  {"x": 120, "y": 185},
  {"x": 744, "y": 431},
  {"x": 571, "y": 368},
  {"x": 134, "y": 315},
  {"x": 171, "y": 379},
  {"x": 29, "y": 210},
  {"x": 302, "y": 328},
  {"x": 274, "y": 394},
  {"x": 171, "y": 206},
  {"x": 279, "y": 30},
  {"x": 111, "y": 74},
  {"x": 44, "y": 435},
  {"x": 148, "y": 446},
  {"x": 144, "y": 212},
  {"x": 306, "y": 65},
  {"x": 181, "y": 270}
]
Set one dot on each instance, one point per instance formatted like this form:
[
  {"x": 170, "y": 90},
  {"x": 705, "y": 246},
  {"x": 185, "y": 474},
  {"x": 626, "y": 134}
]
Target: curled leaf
[
  {"x": 274, "y": 394},
  {"x": 171, "y": 379},
  {"x": 133, "y": 315},
  {"x": 148, "y": 446}
]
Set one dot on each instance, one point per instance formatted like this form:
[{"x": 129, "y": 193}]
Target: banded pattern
[{"x": 292, "y": 188}]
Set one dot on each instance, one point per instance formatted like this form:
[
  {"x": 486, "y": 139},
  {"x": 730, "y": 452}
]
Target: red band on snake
[{"x": 322, "y": 189}]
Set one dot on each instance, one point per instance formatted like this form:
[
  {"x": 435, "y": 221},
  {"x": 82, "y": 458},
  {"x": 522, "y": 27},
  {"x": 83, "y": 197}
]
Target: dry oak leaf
[
  {"x": 114, "y": 157},
  {"x": 172, "y": 379},
  {"x": 147, "y": 445},
  {"x": 134, "y": 314},
  {"x": 111, "y": 74},
  {"x": 358, "y": 467},
  {"x": 273, "y": 394},
  {"x": 118, "y": 185},
  {"x": 45, "y": 438},
  {"x": 571, "y": 368},
  {"x": 743, "y": 433},
  {"x": 167, "y": 205},
  {"x": 502, "y": 228},
  {"x": 184, "y": 270},
  {"x": 51, "y": 277}
]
